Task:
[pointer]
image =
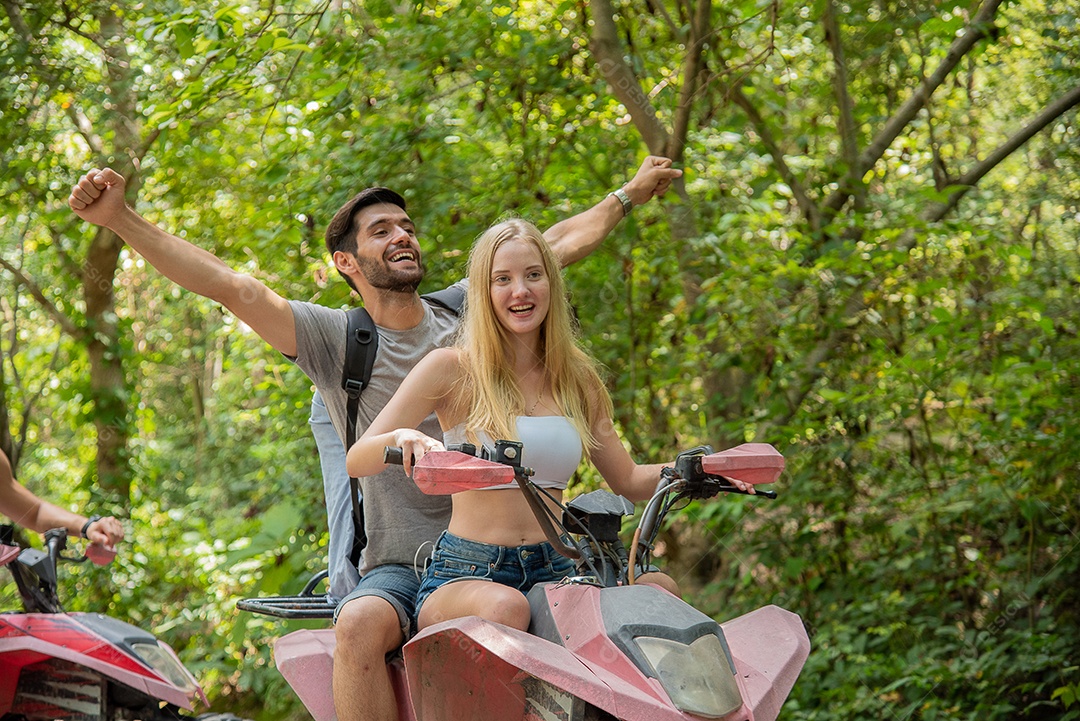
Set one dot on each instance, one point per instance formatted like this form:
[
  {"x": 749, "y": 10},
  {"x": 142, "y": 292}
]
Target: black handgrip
[
  {"x": 393, "y": 456},
  {"x": 55, "y": 542}
]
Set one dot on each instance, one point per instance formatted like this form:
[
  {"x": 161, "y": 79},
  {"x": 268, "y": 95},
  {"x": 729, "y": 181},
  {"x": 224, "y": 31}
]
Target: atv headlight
[
  {"x": 698, "y": 678},
  {"x": 165, "y": 663}
]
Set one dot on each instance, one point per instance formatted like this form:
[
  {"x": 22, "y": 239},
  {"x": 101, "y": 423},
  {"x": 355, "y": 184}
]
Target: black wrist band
[{"x": 86, "y": 526}]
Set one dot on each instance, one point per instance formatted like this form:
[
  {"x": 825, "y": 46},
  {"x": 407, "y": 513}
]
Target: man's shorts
[
  {"x": 520, "y": 567},
  {"x": 397, "y": 584}
]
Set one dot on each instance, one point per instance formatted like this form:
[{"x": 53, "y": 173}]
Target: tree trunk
[
  {"x": 108, "y": 384},
  {"x": 721, "y": 388}
]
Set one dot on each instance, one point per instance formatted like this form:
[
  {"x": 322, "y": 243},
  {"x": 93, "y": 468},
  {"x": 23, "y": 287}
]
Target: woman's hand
[
  {"x": 742, "y": 485},
  {"x": 414, "y": 445}
]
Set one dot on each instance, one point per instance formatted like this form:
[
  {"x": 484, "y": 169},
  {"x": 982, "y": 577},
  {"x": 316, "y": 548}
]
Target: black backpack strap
[
  {"x": 452, "y": 298},
  {"x": 362, "y": 342},
  {"x": 361, "y": 345}
]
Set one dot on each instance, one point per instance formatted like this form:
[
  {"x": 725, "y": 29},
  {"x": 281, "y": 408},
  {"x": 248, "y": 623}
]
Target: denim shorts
[
  {"x": 397, "y": 584},
  {"x": 521, "y": 567}
]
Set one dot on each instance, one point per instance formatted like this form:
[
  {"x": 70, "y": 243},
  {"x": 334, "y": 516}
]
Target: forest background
[{"x": 871, "y": 263}]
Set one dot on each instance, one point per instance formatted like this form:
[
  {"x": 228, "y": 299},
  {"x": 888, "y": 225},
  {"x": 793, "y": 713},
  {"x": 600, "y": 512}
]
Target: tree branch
[
  {"x": 814, "y": 363},
  {"x": 23, "y": 280},
  {"x": 18, "y": 23},
  {"x": 691, "y": 68},
  {"x": 806, "y": 204},
  {"x": 976, "y": 30},
  {"x": 969, "y": 179},
  {"x": 658, "y": 7},
  {"x": 86, "y": 129},
  {"x": 604, "y": 44},
  {"x": 73, "y": 23},
  {"x": 57, "y": 234},
  {"x": 848, "y": 135}
]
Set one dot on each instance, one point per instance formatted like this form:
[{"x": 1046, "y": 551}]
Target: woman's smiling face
[{"x": 520, "y": 287}]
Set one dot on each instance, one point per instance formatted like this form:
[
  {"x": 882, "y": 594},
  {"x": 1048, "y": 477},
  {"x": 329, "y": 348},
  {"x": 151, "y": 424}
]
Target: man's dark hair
[{"x": 341, "y": 233}]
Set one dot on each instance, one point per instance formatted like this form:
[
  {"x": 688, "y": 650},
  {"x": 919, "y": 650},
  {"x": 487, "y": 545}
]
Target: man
[
  {"x": 29, "y": 511},
  {"x": 373, "y": 243}
]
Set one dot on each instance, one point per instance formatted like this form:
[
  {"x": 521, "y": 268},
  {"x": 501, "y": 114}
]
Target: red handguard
[
  {"x": 441, "y": 473},
  {"x": 752, "y": 463},
  {"x": 100, "y": 555}
]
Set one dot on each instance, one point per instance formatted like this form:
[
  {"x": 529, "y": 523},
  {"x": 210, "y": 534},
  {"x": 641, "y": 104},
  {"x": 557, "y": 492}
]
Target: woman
[{"x": 516, "y": 372}]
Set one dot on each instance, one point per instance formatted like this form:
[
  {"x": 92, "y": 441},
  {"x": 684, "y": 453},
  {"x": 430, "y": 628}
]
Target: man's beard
[{"x": 379, "y": 276}]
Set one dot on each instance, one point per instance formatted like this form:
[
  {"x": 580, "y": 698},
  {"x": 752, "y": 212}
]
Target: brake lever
[
  {"x": 715, "y": 485},
  {"x": 728, "y": 488}
]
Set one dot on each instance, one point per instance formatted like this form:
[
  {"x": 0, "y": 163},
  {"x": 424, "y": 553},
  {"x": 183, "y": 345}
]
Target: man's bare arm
[
  {"x": 99, "y": 198},
  {"x": 574, "y": 238}
]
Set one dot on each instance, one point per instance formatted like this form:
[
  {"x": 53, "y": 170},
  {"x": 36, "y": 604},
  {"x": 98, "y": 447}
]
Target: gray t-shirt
[{"x": 398, "y": 518}]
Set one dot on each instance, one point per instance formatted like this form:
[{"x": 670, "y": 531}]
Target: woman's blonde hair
[{"x": 489, "y": 384}]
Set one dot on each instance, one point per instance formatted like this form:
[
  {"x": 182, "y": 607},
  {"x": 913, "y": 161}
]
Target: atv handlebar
[
  {"x": 392, "y": 455},
  {"x": 702, "y": 484},
  {"x": 647, "y": 526},
  {"x": 687, "y": 479},
  {"x": 715, "y": 486}
]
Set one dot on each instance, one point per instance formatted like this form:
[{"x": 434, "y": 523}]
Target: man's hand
[
  {"x": 574, "y": 238},
  {"x": 652, "y": 179},
  {"x": 98, "y": 197},
  {"x": 105, "y": 532}
]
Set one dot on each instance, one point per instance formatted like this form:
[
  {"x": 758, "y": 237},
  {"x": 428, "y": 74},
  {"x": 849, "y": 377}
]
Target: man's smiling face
[{"x": 386, "y": 248}]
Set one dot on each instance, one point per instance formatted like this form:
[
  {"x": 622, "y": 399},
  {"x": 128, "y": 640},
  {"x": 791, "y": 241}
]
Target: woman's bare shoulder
[
  {"x": 444, "y": 359},
  {"x": 441, "y": 369}
]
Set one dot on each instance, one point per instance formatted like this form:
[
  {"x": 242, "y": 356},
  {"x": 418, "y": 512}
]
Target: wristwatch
[
  {"x": 622, "y": 197},
  {"x": 86, "y": 526}
]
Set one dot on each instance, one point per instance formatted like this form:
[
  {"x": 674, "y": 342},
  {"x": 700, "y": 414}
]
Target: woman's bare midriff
[{"x": 501, "y": 517}]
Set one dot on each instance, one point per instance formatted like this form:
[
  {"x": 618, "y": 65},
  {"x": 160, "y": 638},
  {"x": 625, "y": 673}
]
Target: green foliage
[{"x": 917, "y": 369}]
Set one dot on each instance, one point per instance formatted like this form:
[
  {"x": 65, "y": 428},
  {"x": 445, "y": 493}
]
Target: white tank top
[{"x": 552, "y": 448}]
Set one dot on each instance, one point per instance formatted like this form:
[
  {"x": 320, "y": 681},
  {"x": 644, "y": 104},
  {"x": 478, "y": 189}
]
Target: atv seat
[{"x": 306, "y": 605}]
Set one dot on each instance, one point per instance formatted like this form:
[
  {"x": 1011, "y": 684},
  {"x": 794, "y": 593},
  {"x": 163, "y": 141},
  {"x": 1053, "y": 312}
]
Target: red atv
[
  {"x": 600, "y": 647},
  {"x": 85, "y": 666}
]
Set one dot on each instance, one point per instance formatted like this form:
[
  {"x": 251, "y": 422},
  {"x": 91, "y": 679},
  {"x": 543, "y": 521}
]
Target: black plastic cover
[
  {"x": 642, "y": 610},
  {"x": 598, "y": 513}
]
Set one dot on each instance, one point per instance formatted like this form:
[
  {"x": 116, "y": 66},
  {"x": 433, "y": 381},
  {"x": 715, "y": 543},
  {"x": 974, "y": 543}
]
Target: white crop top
[{"x": 552, "y": 448}]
